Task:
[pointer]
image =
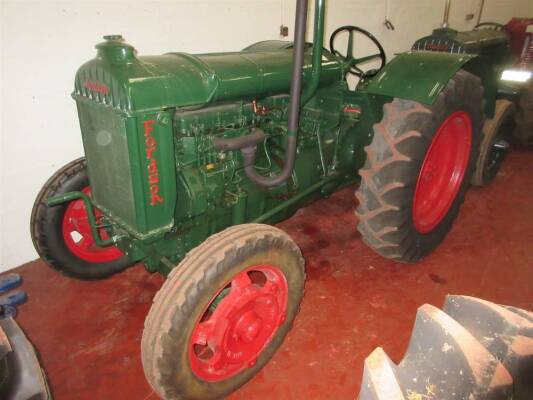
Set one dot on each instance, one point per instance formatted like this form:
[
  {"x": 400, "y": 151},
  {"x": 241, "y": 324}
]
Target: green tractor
[
  {"x": 188, "y": 158},
  {"x": 506, "y": 53}
]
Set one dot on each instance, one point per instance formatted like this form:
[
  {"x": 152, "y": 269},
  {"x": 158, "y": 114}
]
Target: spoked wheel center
[
  {"x": 238, "y": 323},
  {"x": 78, "y": 235},
  {"x": 443, "y": 171}
]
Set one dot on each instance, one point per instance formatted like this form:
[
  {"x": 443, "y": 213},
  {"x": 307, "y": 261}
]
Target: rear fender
[{"x": 421, "y": 76}]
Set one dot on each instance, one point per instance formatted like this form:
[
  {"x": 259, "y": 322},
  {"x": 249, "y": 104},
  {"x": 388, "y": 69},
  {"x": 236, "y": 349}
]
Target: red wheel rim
[
  {"x": 238, "y": 323},
  {"x": 442, "y": 172},
  {"x": 79, "y": 238}
]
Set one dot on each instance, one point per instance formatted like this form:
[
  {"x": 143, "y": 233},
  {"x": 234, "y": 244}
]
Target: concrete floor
[{"x": 88, "y": 333}]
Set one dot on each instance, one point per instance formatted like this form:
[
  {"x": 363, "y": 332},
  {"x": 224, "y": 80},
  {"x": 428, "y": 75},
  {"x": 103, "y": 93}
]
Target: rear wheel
[
  {"x": 62, "y": 235},
  {"x": 418, "y": 168},
  {"x": 494, "y": 145},
  {"x": 523, "y": 134},
  {"x": 222, "y": 313}
]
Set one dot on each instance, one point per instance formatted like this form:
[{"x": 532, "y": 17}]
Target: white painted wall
[{"x": 43, "y": 43}]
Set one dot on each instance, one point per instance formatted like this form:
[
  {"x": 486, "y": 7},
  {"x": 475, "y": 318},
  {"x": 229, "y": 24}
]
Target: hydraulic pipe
[
  {"x": 293, "y": 200},
  {"x": 296, "y": 97},
  {"x": 446, "y": 14},
  {"x": 318, "y": 43},
  {"x": 480, "y": 12},
  {"x": 71, "y": 196}
]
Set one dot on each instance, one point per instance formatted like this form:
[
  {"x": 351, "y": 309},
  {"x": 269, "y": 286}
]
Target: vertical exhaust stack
[{"x": 297, "y": 99}]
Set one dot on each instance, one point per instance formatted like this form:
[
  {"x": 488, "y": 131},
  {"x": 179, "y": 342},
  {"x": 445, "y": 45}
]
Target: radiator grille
[
  {"x": 95, "y": 84},
  {"x": 439, "y": 45},
  {"x": 106, "y": 149}
]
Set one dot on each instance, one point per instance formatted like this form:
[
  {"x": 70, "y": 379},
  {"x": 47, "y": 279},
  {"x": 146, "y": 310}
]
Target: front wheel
[
  {"x": 418, "y": 168},
  {"x": 222, "y": 313},
  {"x": 62, "y": 235}
]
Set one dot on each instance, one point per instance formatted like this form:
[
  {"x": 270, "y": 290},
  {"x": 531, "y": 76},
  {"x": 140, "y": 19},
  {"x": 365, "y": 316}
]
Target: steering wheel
[
  {"x": 493, "y": 26},
  {"x": 349, "y": 57}
]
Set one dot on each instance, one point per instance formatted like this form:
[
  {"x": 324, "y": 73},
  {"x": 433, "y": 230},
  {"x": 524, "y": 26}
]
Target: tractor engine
[{"x": 150, "y": 126}]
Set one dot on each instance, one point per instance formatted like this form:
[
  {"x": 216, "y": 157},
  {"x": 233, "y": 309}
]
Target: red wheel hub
[
  {"x": 238, "y": 323},
  {"x": 79, "y": 238},
  {"x": 442, "y": 172}
]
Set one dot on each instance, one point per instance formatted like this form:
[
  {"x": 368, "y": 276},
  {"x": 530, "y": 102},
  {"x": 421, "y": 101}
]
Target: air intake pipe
[
  {"x": 446, "y": 18},
  {"x": 248, "y": 144},
  {"x": 482, "y": 5}
]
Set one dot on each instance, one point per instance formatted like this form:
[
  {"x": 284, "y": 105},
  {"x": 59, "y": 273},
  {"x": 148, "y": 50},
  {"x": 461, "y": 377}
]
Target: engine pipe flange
[{"x": 241, "y": 142}]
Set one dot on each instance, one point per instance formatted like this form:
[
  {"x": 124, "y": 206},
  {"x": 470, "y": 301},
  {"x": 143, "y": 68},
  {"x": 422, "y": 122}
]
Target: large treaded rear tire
[
  {"x": 193, "y": 288},
  {"x": 395, "y": 158},
  {"x": 47, "y": 231},
  {"x": 472, "y": 349}
]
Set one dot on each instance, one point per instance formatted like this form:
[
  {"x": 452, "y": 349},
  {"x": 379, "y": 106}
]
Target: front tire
[
  {"x": 61, "y": 234},
  {"x": 418, "y": 168},
  {"x": 222, "y": 313}
]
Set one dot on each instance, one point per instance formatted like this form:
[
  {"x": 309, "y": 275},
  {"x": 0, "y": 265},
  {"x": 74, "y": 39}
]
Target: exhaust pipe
[{"x": 297, "y": 99}]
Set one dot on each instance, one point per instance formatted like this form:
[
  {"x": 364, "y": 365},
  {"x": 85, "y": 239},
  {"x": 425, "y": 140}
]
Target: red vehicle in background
[{"x": 520, "y": 31}]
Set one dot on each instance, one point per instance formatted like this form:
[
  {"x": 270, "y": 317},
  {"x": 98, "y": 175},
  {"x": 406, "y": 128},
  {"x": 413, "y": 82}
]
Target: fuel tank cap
[{"x": 113, "y": 37}]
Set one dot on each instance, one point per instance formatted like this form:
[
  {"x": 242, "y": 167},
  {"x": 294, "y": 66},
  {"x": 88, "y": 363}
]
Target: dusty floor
[{"x": 88, "y": 333}]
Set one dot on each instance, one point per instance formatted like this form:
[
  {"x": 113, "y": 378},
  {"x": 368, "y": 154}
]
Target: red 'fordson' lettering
[
  {"x": 96, "y": 87},
  {"x": 150, "y": 144},
  {"x": 437, "y": 47}
]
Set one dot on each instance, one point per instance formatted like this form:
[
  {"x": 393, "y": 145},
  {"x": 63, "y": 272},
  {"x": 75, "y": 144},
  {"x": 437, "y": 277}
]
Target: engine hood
[{"x": 121, "y": 79}]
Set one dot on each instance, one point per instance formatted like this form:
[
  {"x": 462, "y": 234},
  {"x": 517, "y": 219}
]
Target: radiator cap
[{"x": 116, "y": 50}]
